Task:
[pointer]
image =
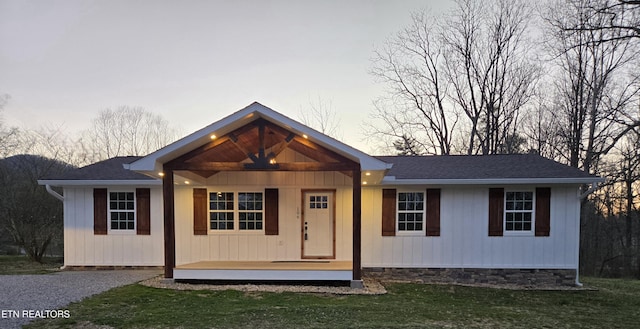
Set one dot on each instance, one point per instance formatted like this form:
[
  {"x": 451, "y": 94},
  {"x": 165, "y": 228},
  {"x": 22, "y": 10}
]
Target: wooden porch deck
[{"x": 321, "y": 270}]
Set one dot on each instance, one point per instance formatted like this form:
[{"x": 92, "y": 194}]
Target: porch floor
[{"x": 266, "y": 270}]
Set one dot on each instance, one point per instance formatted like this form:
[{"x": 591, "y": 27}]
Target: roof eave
[
  {"x": 95, "y": 182},
  {"x": 391, "y": 180}
]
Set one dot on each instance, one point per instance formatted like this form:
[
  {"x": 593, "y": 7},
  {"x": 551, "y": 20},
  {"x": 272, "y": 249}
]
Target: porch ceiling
[{"x": 255, "y": 146}]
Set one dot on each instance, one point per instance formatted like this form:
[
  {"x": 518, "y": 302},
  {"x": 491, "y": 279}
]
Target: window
[
  {"x": 518, "y": 211},
  {"x": 122, "y": 211},
  {"x": 250, "y": 210},
  {"x": 221, "y": 210},
  {"x": 410, "y": 211},
  {"x": 227, "y": 215},
  {"x": 318, "y": 202}
]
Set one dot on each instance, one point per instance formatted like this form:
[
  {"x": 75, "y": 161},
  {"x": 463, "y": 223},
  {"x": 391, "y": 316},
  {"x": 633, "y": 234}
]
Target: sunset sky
[{"x": 193, "y": 62}]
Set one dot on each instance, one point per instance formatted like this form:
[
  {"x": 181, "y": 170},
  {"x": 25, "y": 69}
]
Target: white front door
[{"x": 318, "y": 224}]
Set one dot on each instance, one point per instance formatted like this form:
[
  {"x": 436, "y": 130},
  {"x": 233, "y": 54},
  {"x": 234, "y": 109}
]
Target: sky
[{"x": 194, "y": 62}]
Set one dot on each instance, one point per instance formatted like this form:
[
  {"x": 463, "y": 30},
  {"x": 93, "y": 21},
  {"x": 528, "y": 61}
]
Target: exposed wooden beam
[
  {"x": 197, "y": 151},
  {"x": 357, "y": 224},
  {"x": 280, "y": 147},
  {"x": 261, "y": 142},
  {"x": 296, "y": 166},
  {"x": 234, "y": 140},
  {"x": 314, "y": 149},
  {"x": 169, "y": 223},
  {"x": 277, "y": 129},
  {"x": 195, "y": 176}
]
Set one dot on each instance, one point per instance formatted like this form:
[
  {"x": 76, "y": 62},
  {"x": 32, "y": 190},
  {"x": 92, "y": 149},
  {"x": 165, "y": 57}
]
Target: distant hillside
[
  {"x": 32, "y": 166},
  {"x": 21, "y": 197}
]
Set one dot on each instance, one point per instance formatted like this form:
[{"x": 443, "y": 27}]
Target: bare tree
[
  {"x": 322, "y": 117},
  {"x": 611, "y": 235},
  {"x": 126, "y": 131},
  {"x": 541, "y": 129},
  {"x": 7, "y": 134},
  {"x": 619, "y": 18},
  {"x": 411, "y": 64},
  {"x": 491, "y": 70},
  {"x": 475, "y": 64},
  {"x": 595, "y": 82},
  {"x": 28, "y": 214},
  {"x": 629, "y": 177}
]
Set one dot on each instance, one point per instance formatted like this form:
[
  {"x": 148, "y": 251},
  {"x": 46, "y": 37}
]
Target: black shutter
[
  {"x": 496, "y": 211},
  {"x": 543, "y": 211},
  {"x": 388, "y": 212},
  {"x": 100, "y": 211},
  {"x": 271, "y": 211},
  {"x": 143, "y": 211},
  {"x": 200, "y": 211},
  {"x": 433, "y": 212}
]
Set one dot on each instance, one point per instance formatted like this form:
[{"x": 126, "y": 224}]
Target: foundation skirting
[{"x": 523, "y": 277}]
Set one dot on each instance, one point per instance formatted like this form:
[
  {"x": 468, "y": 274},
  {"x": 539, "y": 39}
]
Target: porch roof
[{"x": 152, "y": 164}]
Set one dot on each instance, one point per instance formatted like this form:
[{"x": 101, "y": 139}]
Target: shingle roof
[
  {"x": 479, "y": 167},
  {"x": 437, "y": 167},
  {"x": 110, "y": 169}
]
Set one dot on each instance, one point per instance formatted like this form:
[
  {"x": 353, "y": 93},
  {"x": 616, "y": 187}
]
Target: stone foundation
[{"x": 479, "y": 276}]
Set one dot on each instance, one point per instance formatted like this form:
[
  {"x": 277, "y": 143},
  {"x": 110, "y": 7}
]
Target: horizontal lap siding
[
  {"x": 258, "y": 246},
  {"x": 83, "y": 248},
  {"x": 464, "y": 240}
]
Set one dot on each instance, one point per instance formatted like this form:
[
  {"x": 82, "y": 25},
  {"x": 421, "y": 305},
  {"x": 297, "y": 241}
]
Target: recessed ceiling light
[{"x": 213, "y": 136}]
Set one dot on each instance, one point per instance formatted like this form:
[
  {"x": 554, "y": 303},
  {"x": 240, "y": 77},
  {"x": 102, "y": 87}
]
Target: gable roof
[
  {"x": 152, "y": 163},
  {"x": 482, "y": 169},
  {"x": 383, "y": 170},
  {"x": 110, "y": 171}
]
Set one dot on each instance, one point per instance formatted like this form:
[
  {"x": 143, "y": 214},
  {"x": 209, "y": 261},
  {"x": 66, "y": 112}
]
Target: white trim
[
  {"x": 577, "y": 239},
  {"x": 236, "y": 212},
  {"x": 54, "y": 193},
  {"x": 117, "y": 231},
  {"x": 98, "y": 183},
  {"x": 594, "y": 186},
  {"x": 422, "y": 231},
  {"x": 263, "y": 275},
  {"x": 528, "y": 233},
  {"x": 391, "y": 180}
]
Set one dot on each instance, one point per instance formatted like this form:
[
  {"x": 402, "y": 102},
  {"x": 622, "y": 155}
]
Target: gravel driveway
[{"x": 38, "y": 294}]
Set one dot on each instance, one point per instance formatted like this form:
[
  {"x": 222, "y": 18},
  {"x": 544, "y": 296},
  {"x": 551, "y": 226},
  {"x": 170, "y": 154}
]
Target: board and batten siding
[
  {"x": 256, "y": 246},
  {"x": 84, "y": 248},
  {"x": 464, "y": 241}
]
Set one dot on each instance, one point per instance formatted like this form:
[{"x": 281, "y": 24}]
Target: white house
[{"x": 259, "y": 196}]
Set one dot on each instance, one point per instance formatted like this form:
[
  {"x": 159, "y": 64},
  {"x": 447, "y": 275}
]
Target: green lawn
[
  {"x": 615, "y": 304},
  {"x": 23, "y": 265}
]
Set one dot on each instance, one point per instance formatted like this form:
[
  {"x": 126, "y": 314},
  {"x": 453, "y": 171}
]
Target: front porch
[
  {"x": 258, "y": 185},
  {"x": 324, "y": 270}
]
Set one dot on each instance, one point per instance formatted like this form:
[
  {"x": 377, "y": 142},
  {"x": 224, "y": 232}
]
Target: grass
[
  {"x": 23, "y": 265},
  {"x": 615, "y": 304}
]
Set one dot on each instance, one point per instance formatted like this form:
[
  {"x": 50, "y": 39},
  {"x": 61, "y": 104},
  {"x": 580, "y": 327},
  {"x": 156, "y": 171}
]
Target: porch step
[{"x": 266, "y": 271}]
